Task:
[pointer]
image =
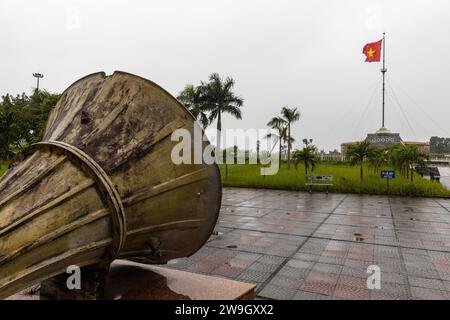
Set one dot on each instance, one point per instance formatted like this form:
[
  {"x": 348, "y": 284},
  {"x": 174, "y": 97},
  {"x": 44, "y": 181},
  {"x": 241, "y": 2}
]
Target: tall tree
[
  {"x": 359, "y": 152},
  {"x": 278, "y": 124},
  {"x": 10, "y": 131},
  {"x": 439, "y": 145},
  {"x": 413, "y": 158},
  {"x": 217, "y": 97},
  {"x": 377, "y": 158},
  {"x": 23, "y": 119},
  {"x": 39, "y": 107},
  {"x": 258, "y": 146},
  {"x": 190, "y": 97},
  {"x": 396, "y": 158},
  {"x": 307, "y": 155},
  {"x": 290, "y": 115}
]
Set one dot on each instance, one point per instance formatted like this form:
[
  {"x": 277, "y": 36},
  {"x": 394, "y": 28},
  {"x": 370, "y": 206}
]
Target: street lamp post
[{"x": 38, "y": 76}]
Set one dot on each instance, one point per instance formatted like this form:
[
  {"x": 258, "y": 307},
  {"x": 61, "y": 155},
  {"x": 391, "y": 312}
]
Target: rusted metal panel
[{"x": 102, "y": 185}]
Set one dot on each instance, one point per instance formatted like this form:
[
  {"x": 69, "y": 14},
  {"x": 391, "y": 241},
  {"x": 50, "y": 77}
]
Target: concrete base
[{"x": 134, "y": 281}]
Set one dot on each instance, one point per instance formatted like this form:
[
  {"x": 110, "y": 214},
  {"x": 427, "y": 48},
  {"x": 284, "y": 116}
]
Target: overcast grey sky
[{"x": 306, "y": 54}]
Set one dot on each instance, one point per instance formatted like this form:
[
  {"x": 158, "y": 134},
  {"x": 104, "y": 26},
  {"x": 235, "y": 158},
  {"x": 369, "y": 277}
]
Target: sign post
[{"x": 388, "y": 175}]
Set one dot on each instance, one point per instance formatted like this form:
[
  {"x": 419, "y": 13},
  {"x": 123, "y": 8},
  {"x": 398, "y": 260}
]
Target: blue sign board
[{"x": 388, "y": 174}]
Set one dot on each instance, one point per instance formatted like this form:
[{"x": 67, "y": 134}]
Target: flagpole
[{"x": 383, "y": 71}]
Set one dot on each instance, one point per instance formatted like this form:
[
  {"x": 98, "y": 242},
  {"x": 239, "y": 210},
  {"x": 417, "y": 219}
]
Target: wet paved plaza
[{"x": 296, "y": 245}]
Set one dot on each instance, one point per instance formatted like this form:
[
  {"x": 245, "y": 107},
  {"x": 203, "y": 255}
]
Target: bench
[{"x": 319, "y": 181}]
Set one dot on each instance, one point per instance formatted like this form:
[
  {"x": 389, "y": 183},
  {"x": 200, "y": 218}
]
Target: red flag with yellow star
[{"x": 373, "y": 51}]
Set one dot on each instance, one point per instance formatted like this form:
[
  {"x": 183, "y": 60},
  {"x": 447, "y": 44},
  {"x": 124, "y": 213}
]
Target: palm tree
[
  {"x": 396, "y": 158},
  {"x": 307, "y": 155},
  {"x": 258, "y": 146},
  {"x": 358, "y": 152},
  {"x": 191, "y": 99},
  {"x": 378, "y": 158},
  {"x": 217, "y": 97},
  {"x": 289, "y": 141},
  {"x": 406, "y": 159},
  {"x": 413, "y": 158},
  {"x": 290, "y": 115},
  {"x": 277, "y": 124},
  {"x": 419, "y": 160}
]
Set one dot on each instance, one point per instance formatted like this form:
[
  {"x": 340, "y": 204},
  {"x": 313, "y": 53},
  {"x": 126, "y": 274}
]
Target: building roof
[
  {"x": 421, "y": 143},
  {"x": 349, "y": 142},
  {"x": 417, "y": 143}
]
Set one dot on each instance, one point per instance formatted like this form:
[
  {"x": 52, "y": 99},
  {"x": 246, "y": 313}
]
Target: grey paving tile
[
  {"x": 304, "y": 295},
  {"x": 276, "y": 292},
  {"x": 436, "y": 284},
  {"x": 254, "y": 276},
  {"x": 287, "y": 281},
  {"x": 428, "y": 294}
]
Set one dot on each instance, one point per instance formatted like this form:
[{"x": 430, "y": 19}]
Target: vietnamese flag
[{"x": 373, "y": 51}]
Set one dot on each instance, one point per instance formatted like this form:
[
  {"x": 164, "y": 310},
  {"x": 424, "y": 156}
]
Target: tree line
[
  {"x": 404, "y": 158},
  {"x": 440, "y": 145},
  {"x": 23, "y": 119}
]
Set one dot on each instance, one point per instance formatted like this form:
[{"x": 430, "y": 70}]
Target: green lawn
[{"x": 346, "y": 180}]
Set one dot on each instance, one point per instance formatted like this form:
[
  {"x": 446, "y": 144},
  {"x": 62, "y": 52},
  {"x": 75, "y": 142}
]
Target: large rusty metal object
[{"x": 102, "y": 185}]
